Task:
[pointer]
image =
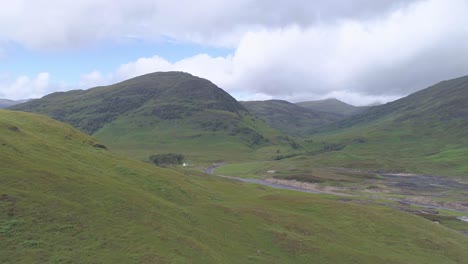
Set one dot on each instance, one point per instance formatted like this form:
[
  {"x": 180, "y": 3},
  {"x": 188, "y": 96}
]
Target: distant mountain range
[
  {"x": 334, "y": 106},
  {"x": 445, "y": 103},
  {"x": 424, "y": 132},
  {"x": 178, "y": 112},
  {"x": 4, "y": 103},
  {"x": 291, "y": 118}
]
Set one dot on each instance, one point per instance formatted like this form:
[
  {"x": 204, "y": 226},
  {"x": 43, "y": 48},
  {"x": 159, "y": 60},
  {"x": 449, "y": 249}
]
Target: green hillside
[
  {"x": 334, "y": 106},
  {"x": 425, "y": 132},
  {"x": 444, "y": 103},
  {"x": 164, "y": 112},
  {"x": 290, "y": 118},
  {"x": 64, "y": 198}
]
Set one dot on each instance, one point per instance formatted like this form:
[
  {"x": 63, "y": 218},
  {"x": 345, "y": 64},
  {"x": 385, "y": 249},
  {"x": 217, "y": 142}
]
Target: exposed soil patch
[
  {"x": 307, "y": 186},
  {"x": 99, "y": 146},
  {"x": 306, "y": 178},
  {"x": 427, "y": 201},
  {"x": 14, "y": 129},
  {"x": 10, "y": 204},
  {"x": 428, "y": 191},
  {"x": 424, "y": 183}
]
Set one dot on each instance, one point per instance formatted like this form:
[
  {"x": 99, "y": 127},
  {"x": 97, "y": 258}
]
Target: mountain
[
  {"x": 443, "y": 103},
  {"x": 65, "y": 198},
  {"x": 159, "y": 113},
  {"x": 4, "y": 103},
  {"x": 423, "y": 132},
  {"x": 334, "y": 106},
  {"x": 290, "y": 118}
]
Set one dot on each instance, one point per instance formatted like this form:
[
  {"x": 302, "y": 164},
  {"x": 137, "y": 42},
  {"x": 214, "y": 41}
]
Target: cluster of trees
[{"x": 169, "y": 159}]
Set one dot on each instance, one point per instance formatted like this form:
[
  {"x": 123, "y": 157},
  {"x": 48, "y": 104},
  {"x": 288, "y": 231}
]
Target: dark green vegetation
[
  {"x": 162, "y": 113},
  {"x": 290, "y": 118},
  {"x": 334, "y": 106},
  {"x": 66, "y": 199},
  {"x": 4, "y": 103},
  {"x": 423, "y": 133},
  {"x": 168, "y": 159},
  {"x": 178, "y": 113}
]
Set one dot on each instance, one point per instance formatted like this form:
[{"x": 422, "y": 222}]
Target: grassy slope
[
  {"x": 332, "y": 106},
  {"x": 290, "y": 118},
  {"x": 422, "y": 133},
  {"x": 65, "y": 200},
  {"x": 164, "y": 112},
  {"x": 139, "y": 138}
]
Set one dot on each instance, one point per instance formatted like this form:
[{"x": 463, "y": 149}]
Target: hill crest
[
  {"x": 332, "y": 105},
  {"x": 290, "y": 118},
  {"x": 160, "y": 112},
  {"x": 166, "y": 95}
]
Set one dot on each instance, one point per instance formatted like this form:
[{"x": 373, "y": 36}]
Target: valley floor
[{"x": 439, "y": 199}]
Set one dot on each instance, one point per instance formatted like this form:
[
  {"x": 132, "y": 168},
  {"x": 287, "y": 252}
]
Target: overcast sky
[{"x": 360, "y": 51}]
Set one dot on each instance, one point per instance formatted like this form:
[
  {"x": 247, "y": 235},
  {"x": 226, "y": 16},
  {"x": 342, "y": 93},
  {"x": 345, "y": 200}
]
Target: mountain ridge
[
  {"x": 332, "y": 105},
  {"x": 424, "y": 132},
  {"x": 5, "y": 103},
  {"x": 290, "y": 118},
  {"x": 131, "y": 94},
  {"x": 161, "y": 112}
]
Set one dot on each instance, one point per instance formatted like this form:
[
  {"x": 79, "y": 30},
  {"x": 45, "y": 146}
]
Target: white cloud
[
  {"x": 47, "y": 24},
  {"x": 356, "y": 61},
  {"x": 297, "y": 50},
  {"x": 217, "y": 69},
  {"x": 93, "y": 79},
  {"x": 24, "y": 87}
]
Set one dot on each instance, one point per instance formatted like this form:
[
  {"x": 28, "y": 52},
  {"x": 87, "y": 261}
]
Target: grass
[
  {"x": 165, "y": 112},
  {"x": 66, "y": 200},
  {"x": 400, "y": 149},
  {"x": 186, "y": 137},
  {"x": 332, "y": 105},
  {"x": 291, "y": 118},
  {"x": 422, "y": 133}
]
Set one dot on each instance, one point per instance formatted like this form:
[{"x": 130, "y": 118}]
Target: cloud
[
  {"x": 357, "y": 61},
  {"x": 93, "y": 79},
  {"x": 52, "y": 24},
  {"x": 217, "y": 69},
  {"x": 361, "y": 53},
  {"x": 24, "y": 87}
]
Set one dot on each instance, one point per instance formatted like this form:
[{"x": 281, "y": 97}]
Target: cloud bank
[
  {"x": 63, "y": 23},
  {"x": 361, "y": 53}
]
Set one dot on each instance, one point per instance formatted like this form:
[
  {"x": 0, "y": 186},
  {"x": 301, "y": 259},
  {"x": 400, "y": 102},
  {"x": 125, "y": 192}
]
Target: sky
[{"x": 361, "y": 51}]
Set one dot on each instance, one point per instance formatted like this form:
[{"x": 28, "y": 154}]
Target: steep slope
[
  {"x": 65, "y": 198},
  {"x": 161, "y": 112},
  {"x": 445, "y": 103},
  {"x": 290, "y": 118},
  {"x": 334, "y": 106},
  {"x": 423, "y": 132}
]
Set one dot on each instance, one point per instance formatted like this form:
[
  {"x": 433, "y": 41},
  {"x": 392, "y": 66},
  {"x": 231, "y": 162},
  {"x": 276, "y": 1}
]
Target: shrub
[{"x": 168, "y": 159}]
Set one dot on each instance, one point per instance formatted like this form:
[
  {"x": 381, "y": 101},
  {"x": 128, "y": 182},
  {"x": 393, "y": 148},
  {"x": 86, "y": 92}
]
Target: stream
[{"x": 211, "y": 169}]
